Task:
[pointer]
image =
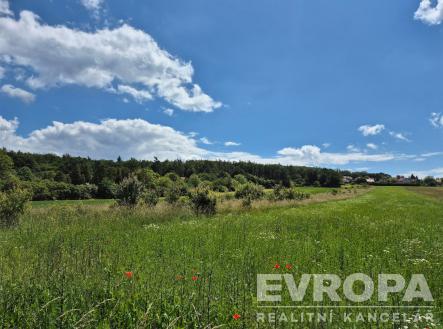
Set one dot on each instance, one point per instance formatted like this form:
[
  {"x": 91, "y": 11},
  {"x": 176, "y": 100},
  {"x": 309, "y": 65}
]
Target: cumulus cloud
[
  {"x": 312, "y": 155},
  {"x": 139, "y": 96},
  {"x": 368, "y": 130},
  {"x": 143, "y": 140},
  {"x": 230, "y": 143},
  {"x": 436, "y": 120},
  {"x": 4, "y": 8},
  {"x": 429, "y": 13},
  {"x": 14, "y": 92},
  {"x": 107, "y": 139},
  {"x": 124, "y": 56}
]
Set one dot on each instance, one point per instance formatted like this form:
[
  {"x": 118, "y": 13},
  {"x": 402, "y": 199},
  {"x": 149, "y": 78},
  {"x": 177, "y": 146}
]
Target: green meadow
[{"x": 82, "y": 265}]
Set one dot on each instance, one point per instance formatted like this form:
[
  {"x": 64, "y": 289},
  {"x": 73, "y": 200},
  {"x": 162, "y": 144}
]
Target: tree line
[{"x": 51, "y": 177}]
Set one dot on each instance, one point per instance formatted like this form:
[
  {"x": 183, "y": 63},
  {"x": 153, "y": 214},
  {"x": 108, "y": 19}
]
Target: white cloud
[
  {"x": 436, "y": 172},
  {"x": 372, "y": 146},
  {"x": 59, "y": 55},
  {"x": 312, "y": 155},
  {"x": 326, "y": 145},
  {"x": 168, "y": 112},
  {"x": 352, "y": 148},
  {"x": 4, "y": 8},
  {"x": 230, "y": 143},
  {"x": 436, "y": 119},
  {"x": 429, "y": 13},
  {"x": 107, "y": 139},
  {"x": 143, "y": 140},
  {"x": 399, "y": 136},
  {"x": 431, "y": 154},
  {"x": 206, "y": 141},
  {"x": 92, "y": 5},
  {"x": 2, "y": 72},
  {"x": 14, "y": 92},
  {"x": 139, "y": 96},
  {"x": 368, "y": 130}
]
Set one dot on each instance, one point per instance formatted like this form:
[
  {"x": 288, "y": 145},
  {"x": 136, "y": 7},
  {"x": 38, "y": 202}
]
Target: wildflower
[
  {"x": 236, "y": 316},
  {"x": 194, "y": 278},
  {"x": 277, "y": 266},
  {"x": 129, "y": 274},
  {"x": 179, "y": 277},
  {"x": 288, "y": 266}
]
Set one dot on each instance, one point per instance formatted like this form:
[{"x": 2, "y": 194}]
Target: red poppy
[
  {"x": 236, "y": 316},
  {"x": 129, "y": 274},
  {"x": 194, "y": 278},
  {"x": 288, "y": 266},
  {"x": 277, "y": 266}
]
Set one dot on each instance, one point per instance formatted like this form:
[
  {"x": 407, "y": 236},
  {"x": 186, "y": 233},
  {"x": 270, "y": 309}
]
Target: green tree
[
  {"x": 429, "y": 181},
  {"x": 6, "y": 165},
  {"x": 148, "y": 178},
  {"x": 106, "y": 189},
  {"x": 24, "y": 173}
]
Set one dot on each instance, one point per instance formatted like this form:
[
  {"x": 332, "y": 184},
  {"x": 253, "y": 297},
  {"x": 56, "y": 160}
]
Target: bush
[
  {"x": 150, "y": 198},
  {"x": 12, "y": 206},
  {"x": 203, "y": 203},
  {"x": 249, "y": 191},
  {"x": 173, "y": 194},
  {"x": 280, "y": 193},
  {"x": 106, "y": 189},
  {"x": 129, "y": 191}
]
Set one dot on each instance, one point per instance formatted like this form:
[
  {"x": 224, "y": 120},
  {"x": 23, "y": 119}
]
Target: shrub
[
  {"x": 203, "y": 203},
  {"x": 172, "y": 194},
  {"x": 129, "y": 191},
  {"x": 12, "y": 206},
  {"x": 150, "y": 198},
  {"x": 83, "y": 192},
  {"x": 249, "y": 191},
  {"x": 280, "y": 193},
  {"x": 106, "y": 189}
]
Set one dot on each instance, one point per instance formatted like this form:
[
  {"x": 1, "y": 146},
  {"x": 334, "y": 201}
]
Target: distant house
[
  {"x": 370, "y": 180},
  {"x": 347, "y": 179}
]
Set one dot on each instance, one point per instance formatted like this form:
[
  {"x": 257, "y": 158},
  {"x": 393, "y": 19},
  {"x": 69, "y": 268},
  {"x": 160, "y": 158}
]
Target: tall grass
[{"x": 64, "y": 267}]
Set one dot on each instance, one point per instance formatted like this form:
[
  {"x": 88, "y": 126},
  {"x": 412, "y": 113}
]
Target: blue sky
[{"x": 351, "y": 85}]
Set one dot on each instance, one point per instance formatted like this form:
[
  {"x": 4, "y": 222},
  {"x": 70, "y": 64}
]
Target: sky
[{"x": 337, "y": 84}]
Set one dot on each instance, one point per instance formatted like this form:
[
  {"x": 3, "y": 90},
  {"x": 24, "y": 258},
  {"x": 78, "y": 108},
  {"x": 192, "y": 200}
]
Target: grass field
[
  {"x": 64, "y": 267},
  {"x": 108, "y": 202},
  {"x": 57, "y": 203}
]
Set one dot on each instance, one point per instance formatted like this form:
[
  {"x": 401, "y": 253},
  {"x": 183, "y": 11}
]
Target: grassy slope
[{"x": 76, "y": 259}]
